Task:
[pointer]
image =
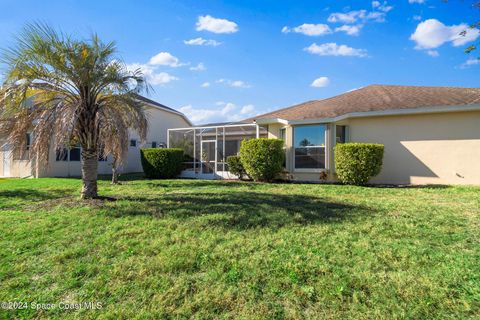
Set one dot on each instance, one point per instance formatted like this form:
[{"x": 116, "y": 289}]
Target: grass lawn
[{"x": 213, "y": 249}]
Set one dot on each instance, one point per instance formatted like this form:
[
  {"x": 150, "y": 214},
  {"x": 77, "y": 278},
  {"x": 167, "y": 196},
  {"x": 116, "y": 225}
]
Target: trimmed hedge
[
  {"x": 235, "y": 166},
  {"x": 161, "y": 163},
  {"x": 357, "y": 163},
  {"x": 262, "y": 158}
]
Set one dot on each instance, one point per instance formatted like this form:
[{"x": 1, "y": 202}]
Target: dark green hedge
[
  {"x": 262, "y": 158},
  {"x": 161, "y": 163},
  {"x": 357, "y": 163},
  {"x": 235, "y": 167}
]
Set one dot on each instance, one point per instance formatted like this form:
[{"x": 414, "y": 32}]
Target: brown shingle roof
[{"x": 378, "y": 98}]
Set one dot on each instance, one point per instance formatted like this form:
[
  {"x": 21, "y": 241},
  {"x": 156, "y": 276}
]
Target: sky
[{"x": 229, "y": 60}]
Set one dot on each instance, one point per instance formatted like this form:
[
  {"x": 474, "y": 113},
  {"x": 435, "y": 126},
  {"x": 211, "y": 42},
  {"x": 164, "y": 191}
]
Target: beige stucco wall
[
  {"x": 21, "y": 168},
  {"x": 424, "y": 149},
  {"x": 441, "y": 148},
  {"x": 274, "y": 130},
  {"x": 18, "y": 168},
  {"x": 159, "y": 122}
]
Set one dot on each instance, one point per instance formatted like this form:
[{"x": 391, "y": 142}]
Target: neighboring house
[
  {"x": 431, "y": 134},
  {"x": 67, "y": 163}
]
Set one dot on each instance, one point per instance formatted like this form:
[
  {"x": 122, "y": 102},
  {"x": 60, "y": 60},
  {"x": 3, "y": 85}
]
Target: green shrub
[
  {"x": 161, "y": 163},
  {"x": 262, "y": 158},
  {"x": 235, "y": 166},
  {"x": 357, "y": 163}
]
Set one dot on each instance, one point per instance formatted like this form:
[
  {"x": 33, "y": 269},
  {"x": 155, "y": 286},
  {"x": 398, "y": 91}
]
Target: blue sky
[{"x": 228, "y": 60}]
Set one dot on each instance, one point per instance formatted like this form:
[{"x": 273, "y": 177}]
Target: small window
[
  {"x": 283, "y": 135},
  {"x": 75, "y": 153},
  {"x": 341, "y": 134},
  {"x": 61, "y": 155},
  {"x": 133, "y": 143},
  {"x": 102, "y": 158},
  {"x": 28, "y": 140},
  {"x": 154, "y": 144}
]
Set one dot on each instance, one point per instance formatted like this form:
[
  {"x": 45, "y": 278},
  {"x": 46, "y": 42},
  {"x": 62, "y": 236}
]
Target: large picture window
[{"x": 309, "y": 144}]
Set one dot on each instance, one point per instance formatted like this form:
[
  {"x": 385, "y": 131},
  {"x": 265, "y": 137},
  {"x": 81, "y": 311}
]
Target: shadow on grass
[
  {"x": 408, "y": 186},
  {"x": 195, "y": 183},
  {"x": 22, "y": 198},
  {"x": 241, "y": 210},
  {"x": 33, "y": 194}
]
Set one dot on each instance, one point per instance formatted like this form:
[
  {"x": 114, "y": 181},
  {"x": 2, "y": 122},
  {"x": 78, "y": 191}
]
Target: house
[
  {"x": 67, "y": 163},
  {"x": 431, "y": 134}
]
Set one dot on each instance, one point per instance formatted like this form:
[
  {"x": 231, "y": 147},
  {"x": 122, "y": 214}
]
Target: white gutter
[
  {"x": 213, "y": 127},
  {"x": 393, "y": 112}
]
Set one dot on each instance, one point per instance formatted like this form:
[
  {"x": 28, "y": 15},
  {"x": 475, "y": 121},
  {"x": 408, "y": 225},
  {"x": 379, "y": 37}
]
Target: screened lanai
[{"x": 206, "y": 148}]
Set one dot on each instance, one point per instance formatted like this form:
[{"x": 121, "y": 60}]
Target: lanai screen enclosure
[{"x": 207, "y": 148}]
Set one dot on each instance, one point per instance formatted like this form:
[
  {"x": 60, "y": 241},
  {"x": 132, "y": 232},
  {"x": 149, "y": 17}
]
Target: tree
[
  {"x": 67, "y": 91},
  {"x": 305, "y": 142},
  {"x": 473, "y": 25}
]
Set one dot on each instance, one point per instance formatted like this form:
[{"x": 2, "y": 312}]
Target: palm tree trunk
[
  {"x": 114, "y": 171},
  {"x": 89, "y": 174}
]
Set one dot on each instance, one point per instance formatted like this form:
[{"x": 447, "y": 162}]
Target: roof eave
[
  {"x": 382, "y": 113},
  {"x": 168, "y": 110}
]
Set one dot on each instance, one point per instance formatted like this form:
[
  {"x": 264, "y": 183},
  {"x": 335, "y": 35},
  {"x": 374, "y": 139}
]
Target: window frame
[
  {"x": 28, "y": 140},
  {"x": 283, "y": 135},
  {"x": 325, "y": 144},
  {"x": 345, "y": 133}
]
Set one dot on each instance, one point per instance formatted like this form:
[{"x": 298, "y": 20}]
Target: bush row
[{"x": 262, "y": 160}]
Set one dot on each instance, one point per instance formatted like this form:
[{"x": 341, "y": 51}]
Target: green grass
[{"x": 213, "y": 249}]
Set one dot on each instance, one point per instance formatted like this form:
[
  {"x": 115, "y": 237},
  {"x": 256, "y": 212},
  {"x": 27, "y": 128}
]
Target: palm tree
[{"x": 67, "y": 91}]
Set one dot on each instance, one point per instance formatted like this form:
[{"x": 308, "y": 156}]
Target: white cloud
[
  {"x": 151, "y": 74},
  {"x": 161, "y": 78},
  {"x": 358, "y": 15},
  {"x": 417, "y": 1},
  {"x": 320, "y": 82},
  {"x": 202, "y": 42},
  {"x": 470, "y": 62},
  {"x": 209, "y": 23},
  {"x": 433, "y": 53},
  {"x": 349, "y": 17},
  {"x": 376, "y": 4},
  {"x": 199, "y": 67},
  {"x": 239, "y": 84},
  {"x": 220, "y": 113},
  {"x": 205, "y": 84},
  {"x": 350, "y": 30},
  {"x": 417, "y": 18},
  {"x": 150, "y": 69},
  {"x": 248, "y": 109},
  {"x": 234, "y": 83},
  {"x": 431, "y": 34},
  {"x": 333, "y": 49},
  {"x": 383, "y": 7},
  {"x": 376, "y": 16},
  {"x": 228, "y": 108},
  {"x": 309, "y": 29},
  {"x": 198, "y": 115},
  {"x": 165, "y": 59}
]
